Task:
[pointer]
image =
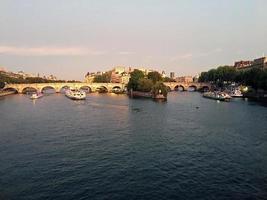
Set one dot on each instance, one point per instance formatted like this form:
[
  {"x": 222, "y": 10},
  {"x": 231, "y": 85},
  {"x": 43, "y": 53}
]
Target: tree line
[{"x": 255, "y": 77}]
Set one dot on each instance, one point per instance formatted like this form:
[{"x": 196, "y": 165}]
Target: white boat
[
  {"x": 236, "y": 93},
  {"x": 36, "y": 95},
  {"x": 221, "y": 96},
  {"x": 75, "y": 94}
]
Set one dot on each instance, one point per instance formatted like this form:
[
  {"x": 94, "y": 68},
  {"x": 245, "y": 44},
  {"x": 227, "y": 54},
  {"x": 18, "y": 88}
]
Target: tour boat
[
  {"x": 236, "y": 93},
  {"x": 221, "y": 96},
  {"x": 75, "y": 94},
  {"x": 36, "y": 95}
]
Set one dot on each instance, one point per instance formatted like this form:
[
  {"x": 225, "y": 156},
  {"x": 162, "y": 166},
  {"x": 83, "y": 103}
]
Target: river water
[{"x": 113, "y": 147}]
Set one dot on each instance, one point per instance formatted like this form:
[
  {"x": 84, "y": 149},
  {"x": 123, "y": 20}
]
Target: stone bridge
[
  {"x": 184, "y": 85},
  {"x": 92, "y": 87}
]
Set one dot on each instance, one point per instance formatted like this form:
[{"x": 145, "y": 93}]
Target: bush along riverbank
[{"x": 147, "y": 85}]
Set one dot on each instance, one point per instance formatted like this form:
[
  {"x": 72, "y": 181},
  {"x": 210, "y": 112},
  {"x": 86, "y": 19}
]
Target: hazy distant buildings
[
  {"x": 172, "y": 75},
  {"x": 184, "y": 79}
]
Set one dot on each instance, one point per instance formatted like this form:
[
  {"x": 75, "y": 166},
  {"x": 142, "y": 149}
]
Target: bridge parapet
[
  {"x": 58, "y": 86},
  {"x": 186, "y": 85}
]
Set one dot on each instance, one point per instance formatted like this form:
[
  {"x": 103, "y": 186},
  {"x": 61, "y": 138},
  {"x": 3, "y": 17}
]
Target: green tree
[
  {"x": 154, "y": 76},
  {"x": 144, "y": 85},
  {"x": 136, "y": 75},
  {"x": 160, "y": 88}
]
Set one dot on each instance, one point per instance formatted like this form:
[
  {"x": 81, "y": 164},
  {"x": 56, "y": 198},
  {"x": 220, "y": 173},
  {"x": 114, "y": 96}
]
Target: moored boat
[
  {"x": 221, "y": 96},
  {"x": 36, "y": 95},
  {"x": 76, "y": 94},
  {"x": 236, "y": 93}
]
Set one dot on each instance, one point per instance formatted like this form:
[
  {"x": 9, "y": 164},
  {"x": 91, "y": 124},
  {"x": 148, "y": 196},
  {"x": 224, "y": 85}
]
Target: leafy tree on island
[
  {"x": 144, "y": 85},
  {"x": 160, "y": 88},
  {"x": 136, "y": 75},
  {"x": 154, "y": 76}
]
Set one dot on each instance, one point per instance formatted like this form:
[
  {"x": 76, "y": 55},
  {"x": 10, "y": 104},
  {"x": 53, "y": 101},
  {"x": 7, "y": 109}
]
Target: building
[
  {"x": 172, "y": 75},
  {"x": 89, "y": 77},
  {"x": 51, "y": 78},
  {"x": 260, "y": 63},
  {"x": 184, "y": 79},
  {"x": 25, "y": 75},
  {"x": 125, "y": 78},
  {"x": 243, "y": 64},
  {"x": 115, "y": 77},
  {"x": 163, "y": 74}
]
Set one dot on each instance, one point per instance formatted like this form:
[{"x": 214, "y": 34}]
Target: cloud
[{"x": 48, "y": 51}]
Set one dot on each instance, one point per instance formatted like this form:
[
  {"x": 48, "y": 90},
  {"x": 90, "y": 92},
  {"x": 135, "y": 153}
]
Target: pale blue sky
[{"x": 70, "y": 37}]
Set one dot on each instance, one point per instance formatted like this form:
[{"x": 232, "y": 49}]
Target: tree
[
  {"x": 144, "y": 85},
  {"x": 160, "y": 88},
  {"x": 103, "y": 78},
  {"x": 154, "y": 76},
  {"x": 136, "y": 75}
]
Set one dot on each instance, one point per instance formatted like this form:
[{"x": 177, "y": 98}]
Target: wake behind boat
[
  {"x": 36, "y": 95},
  {"x": 76, "y": 94}
]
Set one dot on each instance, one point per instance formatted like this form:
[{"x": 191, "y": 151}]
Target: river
[{"x": 113, "y": 147}]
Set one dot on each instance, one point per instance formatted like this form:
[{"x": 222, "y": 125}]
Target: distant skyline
[{"x": 70, "y": 38}]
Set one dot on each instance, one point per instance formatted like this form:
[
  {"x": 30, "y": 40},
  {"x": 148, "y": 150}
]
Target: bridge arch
[
  {"x": 11, "y": 89},
  {"x": 48, "y": 87},
  {"x": 179, "y": 88},
  {"x": 29, "y": 89},
  {"x": 204, "y": 88},
  {"x": 102, "y": 89},
  {"x": 116, "y": 88},
  {"x": 192, "y": 88},
  {"x": 64, "y": 88},
  {"x": 86, "y": 88}
]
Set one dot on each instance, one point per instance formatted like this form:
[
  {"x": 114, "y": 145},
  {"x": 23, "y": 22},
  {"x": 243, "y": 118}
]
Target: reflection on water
[{"x": 113, "y": 147}]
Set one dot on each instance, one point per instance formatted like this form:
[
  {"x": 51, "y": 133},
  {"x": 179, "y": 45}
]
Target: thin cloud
[{"x": 48, "y": 51}]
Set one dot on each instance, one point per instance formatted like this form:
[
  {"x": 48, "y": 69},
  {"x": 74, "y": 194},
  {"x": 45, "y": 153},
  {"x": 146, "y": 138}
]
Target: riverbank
[{"x": 259, "y": 95}]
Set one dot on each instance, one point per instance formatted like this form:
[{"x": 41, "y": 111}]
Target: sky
[{"x": 69, "y": 38}]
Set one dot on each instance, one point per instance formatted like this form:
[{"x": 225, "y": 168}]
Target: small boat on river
[
  {"x": 236, "y": 93},
  {"x": 76, "y": 94},
  {"x": 36, "y": 95},
  {"x": 221, "y": 96}
]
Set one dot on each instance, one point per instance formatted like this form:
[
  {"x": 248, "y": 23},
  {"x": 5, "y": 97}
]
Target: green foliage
[
  {"x": 136, "y": 75},
  {"x": 256, "y": 78},
  {"x": 144, "y": 85},
  {"x": 160, "y": 88},
  {"x": 103, "y": 78},
  {"x": 154, "y": 76}
]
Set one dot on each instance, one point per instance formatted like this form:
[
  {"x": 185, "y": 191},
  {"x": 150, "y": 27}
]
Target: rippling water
[{"x": 113, "y": 147}]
